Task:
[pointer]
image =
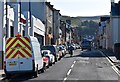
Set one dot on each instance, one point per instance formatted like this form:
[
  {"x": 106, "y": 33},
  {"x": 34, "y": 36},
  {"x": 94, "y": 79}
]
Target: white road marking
[
  {"x": 74, "y": 62},
  {"x": 113, "y": 66},
  {"x": 69, "y": 72},
  {"x": 72, "y": 66},
  {"x": 65, "y": 79}
]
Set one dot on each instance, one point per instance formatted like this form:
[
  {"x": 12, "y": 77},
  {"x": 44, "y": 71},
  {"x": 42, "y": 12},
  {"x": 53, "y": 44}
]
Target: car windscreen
[
  {"x": 51, "y": 48},
  {"x": 45, "y": 53}
]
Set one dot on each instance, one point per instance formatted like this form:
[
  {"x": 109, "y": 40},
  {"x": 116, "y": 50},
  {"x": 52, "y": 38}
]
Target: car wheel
[
  {"x": 82, "y": 49},
  {"x": 54, "y": 62},
  {"x": 50, "y": 63},
  {"x": 44, "y": 68},
  {"x": 56, "y": 59}
]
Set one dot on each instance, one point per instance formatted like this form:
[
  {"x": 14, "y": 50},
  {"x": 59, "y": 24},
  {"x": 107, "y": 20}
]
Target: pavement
[
  {"x": 111, "y": 56},
  {"x": 2, "y": 74}
]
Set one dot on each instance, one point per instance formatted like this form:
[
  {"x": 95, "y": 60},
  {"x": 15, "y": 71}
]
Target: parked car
[
  {"x": 77, "y": 46},
  {"x": 46, "y": 61},
  {"x": 53, "y": 50},
  {"x": 62, "y": 50},
  {"x": 85, "y": 44},
  {"x": 50, "y": 56},
  {"x": 74, "y": 46}
]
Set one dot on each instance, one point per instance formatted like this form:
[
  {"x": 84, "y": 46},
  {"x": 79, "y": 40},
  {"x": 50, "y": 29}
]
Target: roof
[
  {"x": 115, "y": 8},
  {"x": 49, "y": 5}
]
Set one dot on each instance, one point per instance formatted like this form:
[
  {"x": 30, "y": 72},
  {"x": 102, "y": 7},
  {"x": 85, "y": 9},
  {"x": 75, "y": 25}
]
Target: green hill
[{"x": 85, "y": 25}]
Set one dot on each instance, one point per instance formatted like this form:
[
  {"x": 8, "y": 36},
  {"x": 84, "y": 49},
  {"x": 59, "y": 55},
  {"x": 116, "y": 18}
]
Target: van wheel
[
  {"x": 36, "y": 72},
  {"x": 8, "y": 75}
]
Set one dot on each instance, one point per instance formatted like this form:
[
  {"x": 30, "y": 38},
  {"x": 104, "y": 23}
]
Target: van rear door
[
  {"x": 11, "y": 58},
  {"x": 25, "y": 55},
  {"x": 18, "y": 54}
]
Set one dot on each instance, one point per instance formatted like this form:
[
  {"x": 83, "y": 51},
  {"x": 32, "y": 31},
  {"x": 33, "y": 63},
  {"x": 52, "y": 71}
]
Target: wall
[
  {"x": 115, "y": 30},
  {"x": 38, "y": 9},
  {"x": 39, "y": 30},
  {"x": 56, "y": 22}
]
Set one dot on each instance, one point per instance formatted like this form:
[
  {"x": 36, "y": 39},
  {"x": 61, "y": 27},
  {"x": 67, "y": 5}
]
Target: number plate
[{"x": 12, "y": 63}]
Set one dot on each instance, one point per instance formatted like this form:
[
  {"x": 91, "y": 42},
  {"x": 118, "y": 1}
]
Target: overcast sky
[{"x": 83, "y": 7}]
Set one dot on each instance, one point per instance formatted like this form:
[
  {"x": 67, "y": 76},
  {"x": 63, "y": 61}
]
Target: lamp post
[{"x": 70, "y": 34}]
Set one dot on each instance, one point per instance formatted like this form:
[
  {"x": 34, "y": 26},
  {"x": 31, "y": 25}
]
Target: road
[{"x": 84, "y": 65}]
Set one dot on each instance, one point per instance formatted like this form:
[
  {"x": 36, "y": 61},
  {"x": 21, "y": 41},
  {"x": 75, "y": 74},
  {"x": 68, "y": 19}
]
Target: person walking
[{"x": 70, "y": 49}]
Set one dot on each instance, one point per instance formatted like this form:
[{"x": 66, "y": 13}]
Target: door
[
  {"x": 25, "y": 54},
  {"x": 11, "y": 56}
]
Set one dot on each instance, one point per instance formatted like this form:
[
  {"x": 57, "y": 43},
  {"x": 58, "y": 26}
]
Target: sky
[{"x": 75, "y": 8}]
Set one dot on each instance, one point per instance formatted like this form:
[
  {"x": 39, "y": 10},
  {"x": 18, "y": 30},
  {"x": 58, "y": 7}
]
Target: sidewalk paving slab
[
  {"x": 2, "y": 74},
  {"x": 111, "y": 56}
]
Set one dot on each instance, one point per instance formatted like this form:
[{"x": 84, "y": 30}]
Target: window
[
  {"x": 11, "y": 31},
  {"x": 23, "y": 33}
]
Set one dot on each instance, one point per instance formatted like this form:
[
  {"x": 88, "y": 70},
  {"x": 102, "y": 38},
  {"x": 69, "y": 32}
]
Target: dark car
[
  {"x": 86, "y": 45},
  {"x": 53, "y": 50}
]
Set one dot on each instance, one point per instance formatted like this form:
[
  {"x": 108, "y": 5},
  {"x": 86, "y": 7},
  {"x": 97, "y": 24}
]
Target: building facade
[
  {"x": 56, "y": 26},
  {"x": 44, "y": 12},
  {"x": 115, "y": 22},
  {"x": 35, "y": 28}
]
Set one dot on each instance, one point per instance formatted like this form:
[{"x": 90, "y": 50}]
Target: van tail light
[{"x": 4, "y": 64}]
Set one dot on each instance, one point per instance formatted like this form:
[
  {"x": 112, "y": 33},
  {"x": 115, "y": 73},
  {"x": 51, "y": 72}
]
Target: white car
[
  {"x": 62, "y": 48},
  {"x": 49, "y": 55}
]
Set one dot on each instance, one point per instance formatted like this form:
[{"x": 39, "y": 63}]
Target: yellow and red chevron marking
[{"x": 18, "y": 47}]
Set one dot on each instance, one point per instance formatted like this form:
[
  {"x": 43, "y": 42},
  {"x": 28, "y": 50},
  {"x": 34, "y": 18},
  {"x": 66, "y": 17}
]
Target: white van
[{"x": 23, "y": 55}]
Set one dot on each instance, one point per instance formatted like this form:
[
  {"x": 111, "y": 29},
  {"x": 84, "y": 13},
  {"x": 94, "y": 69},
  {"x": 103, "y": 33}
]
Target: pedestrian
[{"x": 70, "y": 49}]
